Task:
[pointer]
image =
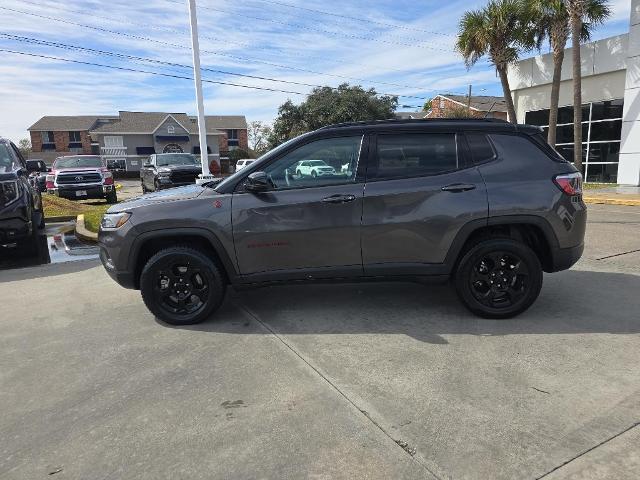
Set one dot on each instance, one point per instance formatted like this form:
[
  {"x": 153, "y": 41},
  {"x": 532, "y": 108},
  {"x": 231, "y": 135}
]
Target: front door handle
[
  {"x": 339, "y": 199},
  {"x": 458, "y": 187}
]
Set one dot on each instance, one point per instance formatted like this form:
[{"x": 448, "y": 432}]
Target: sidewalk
[{"x": 613, "y": 196}]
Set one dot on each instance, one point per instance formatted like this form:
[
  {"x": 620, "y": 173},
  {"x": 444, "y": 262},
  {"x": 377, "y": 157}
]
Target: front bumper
[
  {"x": 14, "y": 229},
  {"x": 92, "y": 191}
]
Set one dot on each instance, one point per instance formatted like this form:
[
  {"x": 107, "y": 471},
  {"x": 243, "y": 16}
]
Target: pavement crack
[
  {"x": 618, "y": 254},
  {"x": 541, "y": 391},
  {"x": 632, "y": 426},
  {"x": 411, "y": 451}
]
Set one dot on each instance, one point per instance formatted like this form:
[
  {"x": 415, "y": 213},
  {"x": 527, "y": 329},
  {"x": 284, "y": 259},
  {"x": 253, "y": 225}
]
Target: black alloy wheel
[
  {"x": 498, "y": 278},
  {"x": 182, "y": 286}
]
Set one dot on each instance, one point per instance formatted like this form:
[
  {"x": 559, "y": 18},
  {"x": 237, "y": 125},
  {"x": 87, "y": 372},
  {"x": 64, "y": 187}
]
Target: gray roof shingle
[
  {"x": 66, "y": 123},
  {"x": 480, "y": 102}
]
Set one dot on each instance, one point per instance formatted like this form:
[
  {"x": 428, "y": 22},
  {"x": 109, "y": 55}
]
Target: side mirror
[{"x": 257, "y": 182}]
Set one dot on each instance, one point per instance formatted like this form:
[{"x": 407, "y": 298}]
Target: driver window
[{"x": 330, "y": 161}]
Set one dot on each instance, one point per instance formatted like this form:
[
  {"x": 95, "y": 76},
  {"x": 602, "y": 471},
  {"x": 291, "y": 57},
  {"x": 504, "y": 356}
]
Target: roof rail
[{"x": 413, "y": 120}]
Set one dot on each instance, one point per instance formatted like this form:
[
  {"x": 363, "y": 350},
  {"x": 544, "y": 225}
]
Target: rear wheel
[
  {"x": 498, "y": 278},
  {"x": 182, "y": 286}
]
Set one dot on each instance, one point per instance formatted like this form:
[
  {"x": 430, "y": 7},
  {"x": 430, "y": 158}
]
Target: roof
[
  {"x": 136, "y": 122},
  {"x": 66, "y": 123},
  {"x": 482, "y": 103},
  {"x": 409, "y": 115}
]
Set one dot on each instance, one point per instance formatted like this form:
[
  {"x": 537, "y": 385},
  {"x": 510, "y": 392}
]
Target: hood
[
  {"x": 186, "y": 168},
  {"x": 79, "y": 169},
  {"x": 169, "y": 195}
]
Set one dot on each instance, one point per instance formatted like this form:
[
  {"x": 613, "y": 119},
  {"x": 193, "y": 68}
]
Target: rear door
[
  {"x": 420, "y": 191},
  {"x": 303, "y": 227}
]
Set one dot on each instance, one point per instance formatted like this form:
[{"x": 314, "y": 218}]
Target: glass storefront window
[{"x": 601, "y": 133}]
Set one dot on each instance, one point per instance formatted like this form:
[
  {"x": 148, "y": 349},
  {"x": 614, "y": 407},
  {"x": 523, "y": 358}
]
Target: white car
[
  {"x": 314, "y": 168},
  {"x": 240, "y": 164}
]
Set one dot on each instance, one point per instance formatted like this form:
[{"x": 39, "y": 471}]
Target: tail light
[
  {"x": 50, "y": 179},
  {"x": 108, "y": 178},
  {"x": 569, "y": 183}
]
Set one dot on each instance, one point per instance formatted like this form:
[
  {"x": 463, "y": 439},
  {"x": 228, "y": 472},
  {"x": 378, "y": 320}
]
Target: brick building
[
  {"x": 481, "y": 106},
  {"x": 129, "y": 137}
]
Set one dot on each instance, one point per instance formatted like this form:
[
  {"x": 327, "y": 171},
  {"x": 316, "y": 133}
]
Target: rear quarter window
[
  {"x": 521, "y": 146},
  {"x": 481, "y": 149}
]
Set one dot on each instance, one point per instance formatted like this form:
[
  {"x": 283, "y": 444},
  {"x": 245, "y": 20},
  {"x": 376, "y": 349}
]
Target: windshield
[
  {"x": 317, "y": 163},
  {"x": 79, "y": 161},
  {"x": 176, "y": 159}
]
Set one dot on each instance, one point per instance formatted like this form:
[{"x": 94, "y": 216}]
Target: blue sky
[{"x": 400, "y": 47}]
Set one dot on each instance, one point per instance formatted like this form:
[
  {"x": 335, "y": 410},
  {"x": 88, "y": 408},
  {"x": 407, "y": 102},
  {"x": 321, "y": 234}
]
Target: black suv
[
  {"x": 166, "y": 170},
  {"x": 486, "y": 203},
  {"x": 21, "y": 215}
]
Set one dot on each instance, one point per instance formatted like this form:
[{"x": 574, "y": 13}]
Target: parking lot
[{"x": 326, "y": 381}]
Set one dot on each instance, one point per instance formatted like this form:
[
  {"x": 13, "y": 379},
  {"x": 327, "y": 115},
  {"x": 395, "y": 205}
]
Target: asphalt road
[{"x": 347, "y": 381}]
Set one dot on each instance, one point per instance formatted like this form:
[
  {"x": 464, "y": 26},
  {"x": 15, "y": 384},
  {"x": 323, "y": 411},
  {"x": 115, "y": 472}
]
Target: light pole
[{"x": 202, "y": 128}]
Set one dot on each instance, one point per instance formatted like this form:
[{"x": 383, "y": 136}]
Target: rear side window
[
  {"x": 520, "y": 146},
  {"x": 416, "y": 154},
  {"x": 481, "y": 149}
]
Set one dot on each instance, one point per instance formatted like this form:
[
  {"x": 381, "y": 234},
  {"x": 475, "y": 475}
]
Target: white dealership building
[{"x": 610, "y": 103}]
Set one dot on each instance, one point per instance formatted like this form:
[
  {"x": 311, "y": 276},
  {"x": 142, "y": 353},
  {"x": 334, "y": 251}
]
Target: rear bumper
[{"x": 564, "y": 258}]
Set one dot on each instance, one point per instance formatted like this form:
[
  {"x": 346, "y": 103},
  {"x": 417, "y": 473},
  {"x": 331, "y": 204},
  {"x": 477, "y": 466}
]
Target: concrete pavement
[{"x": 340, "y": 381}]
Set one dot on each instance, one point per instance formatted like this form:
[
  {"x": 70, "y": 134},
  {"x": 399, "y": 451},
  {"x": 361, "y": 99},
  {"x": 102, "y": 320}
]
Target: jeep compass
[{"x": 487, "y": 204}]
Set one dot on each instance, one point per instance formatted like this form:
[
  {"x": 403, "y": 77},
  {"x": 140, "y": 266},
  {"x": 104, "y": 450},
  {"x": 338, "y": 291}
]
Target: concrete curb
[
  {"x": 630, "y": 202},
  {"x": 61, "y": 218},
  {"x": 82, "y": 233}
]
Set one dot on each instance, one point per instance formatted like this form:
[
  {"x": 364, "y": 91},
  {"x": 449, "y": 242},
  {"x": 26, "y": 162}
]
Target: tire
[
  {"x": 144, "y": 189},
  {"x": 175, "y": 303},
  {"x": 156, "y": 186},
  {"x": 314, "y": 174},
  {"x": 112, "y": 197},
  {"x": 299, "y": 173},
  {"x": 498, "y": 278},
  {"x": 32, "y": 245}
]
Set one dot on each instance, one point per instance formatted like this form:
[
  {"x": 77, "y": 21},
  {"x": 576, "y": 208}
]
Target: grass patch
[
  {"x": 92, "y": 209},
  {"x": 598, "y": 186}
]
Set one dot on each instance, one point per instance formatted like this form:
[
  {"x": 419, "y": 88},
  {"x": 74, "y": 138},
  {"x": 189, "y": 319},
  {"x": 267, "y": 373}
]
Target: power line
[
  {"x": 320, "y": 30},
  {"x": 148, "y": 72},
  {"x": 347, "y": 17},
  {"x": 136, "y": 58},
  {"x": 208, "y": 37},
  {"x": 227, "y": 55}
]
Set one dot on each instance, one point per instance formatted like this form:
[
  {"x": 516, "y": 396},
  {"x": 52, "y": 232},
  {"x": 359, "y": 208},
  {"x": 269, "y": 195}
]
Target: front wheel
[
  {"x": 182, "y": 286},
  {"x": 112, "y": 197},
  {"x": 498, "y": 278}
]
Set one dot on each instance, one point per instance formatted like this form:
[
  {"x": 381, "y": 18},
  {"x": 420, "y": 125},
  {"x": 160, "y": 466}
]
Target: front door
[
  {"x": 420, "y": 193},
  {"x": 305, "y": 226}
]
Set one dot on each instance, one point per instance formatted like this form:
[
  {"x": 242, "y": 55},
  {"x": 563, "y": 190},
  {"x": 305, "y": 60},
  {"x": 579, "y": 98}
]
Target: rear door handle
[
  {"x": 458, "y": 187},
  {"x": 339, "y": 199}
]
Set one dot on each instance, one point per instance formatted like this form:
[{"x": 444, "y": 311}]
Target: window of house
[
  {"x": 75, "y": 142},
  {"x": 416, "y": 154},
  {"x": 601, "y": 135},
  {"x": 48, "y": 141},
  {"x": 74, "y": 137},
  {"x": 232, "y": 138}
]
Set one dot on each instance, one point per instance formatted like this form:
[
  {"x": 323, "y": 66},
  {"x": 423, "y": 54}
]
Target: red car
[{"x": 80, "y": 177}]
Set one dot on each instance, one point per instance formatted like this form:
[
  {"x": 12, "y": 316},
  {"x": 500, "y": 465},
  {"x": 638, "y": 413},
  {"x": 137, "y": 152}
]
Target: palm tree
[
  {"x": 551, "y": 19},
  {"x": 499, "y": 30}
]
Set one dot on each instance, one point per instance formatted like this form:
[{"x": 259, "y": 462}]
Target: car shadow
[{"x": 571, "y": 302}]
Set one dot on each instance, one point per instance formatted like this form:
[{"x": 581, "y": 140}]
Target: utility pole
[
  {"x": 469, "y": 101},
  {"x": 202, "y": 128}
]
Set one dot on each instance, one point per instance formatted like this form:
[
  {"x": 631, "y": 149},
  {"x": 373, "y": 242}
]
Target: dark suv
[
  {"x": 21, "y": 215},
  {"x": 486, "y": 203},
  {"x": 167, "y": 170}
]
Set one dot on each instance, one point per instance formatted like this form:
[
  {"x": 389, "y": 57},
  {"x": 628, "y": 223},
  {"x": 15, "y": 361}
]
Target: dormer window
[{"x": 171, "y": 129}]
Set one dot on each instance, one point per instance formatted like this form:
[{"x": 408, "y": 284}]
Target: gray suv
[{"x": 485, "y": 203}]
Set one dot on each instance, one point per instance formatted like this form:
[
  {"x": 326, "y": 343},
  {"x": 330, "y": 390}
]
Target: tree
[
  {"x": 24, "y": 145},
  {"x": 551, "y": 19},
  {"x": 238, "y": 154},
  {"x": 498, "y": 30},
  {"x": 427, "y": 105},
  {"x": 258, "y": 133},
  {"x": 459, "y": 111},
  {"x": 327, "y": 106},
  {"x": 578, "y": 17}
]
